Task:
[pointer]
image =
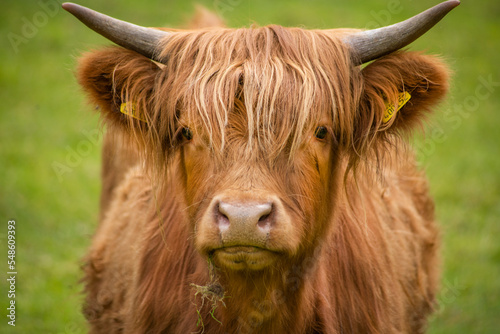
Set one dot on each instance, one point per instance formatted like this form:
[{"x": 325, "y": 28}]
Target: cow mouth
[{"x": 244, "y": 257}]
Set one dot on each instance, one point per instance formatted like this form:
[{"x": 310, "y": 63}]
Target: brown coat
[{"x": 282, "y": 118}]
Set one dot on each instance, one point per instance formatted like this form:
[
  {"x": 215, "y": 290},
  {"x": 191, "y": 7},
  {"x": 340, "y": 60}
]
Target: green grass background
[{"x": 43, "y": 117}]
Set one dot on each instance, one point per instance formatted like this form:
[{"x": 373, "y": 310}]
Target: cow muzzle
[
  {"x": 242, "y": 234},
  {"x": 244, "y": 223}
]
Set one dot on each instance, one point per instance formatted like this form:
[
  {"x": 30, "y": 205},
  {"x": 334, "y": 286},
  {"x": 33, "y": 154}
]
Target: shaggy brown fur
[{"x": 355, "y": 245}]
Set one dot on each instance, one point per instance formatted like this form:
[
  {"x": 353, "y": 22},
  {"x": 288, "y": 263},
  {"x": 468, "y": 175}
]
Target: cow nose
[{"x": 242, "y": 216}]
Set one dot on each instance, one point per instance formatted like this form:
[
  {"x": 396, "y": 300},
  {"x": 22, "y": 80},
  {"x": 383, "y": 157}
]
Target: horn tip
[
  {"x": 69, "y": 6},
  {"x": 449, "y": 5},
  {"x": 446, "y": 6},
  {"x": 452, "y": 3},
  {"x": 74, "y": 8}
]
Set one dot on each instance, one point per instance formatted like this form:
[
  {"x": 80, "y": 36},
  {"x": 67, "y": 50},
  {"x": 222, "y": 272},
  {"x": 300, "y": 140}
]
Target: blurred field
[{"x": 45, "y": 124}]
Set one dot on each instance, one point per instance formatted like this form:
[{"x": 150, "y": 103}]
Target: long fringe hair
[{"x": 281, "y": 82}]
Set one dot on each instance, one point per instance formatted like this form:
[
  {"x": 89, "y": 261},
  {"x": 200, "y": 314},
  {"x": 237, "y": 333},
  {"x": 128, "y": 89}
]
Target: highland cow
[{"x": 259, "y": 180}]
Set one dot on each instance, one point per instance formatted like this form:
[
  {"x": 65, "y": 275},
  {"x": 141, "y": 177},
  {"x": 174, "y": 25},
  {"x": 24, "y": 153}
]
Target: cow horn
[
  {"x": 372, "y": 44},
  {"x": 140, "y": 39}
]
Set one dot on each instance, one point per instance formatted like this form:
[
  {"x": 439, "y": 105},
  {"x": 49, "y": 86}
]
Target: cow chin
[{"x": 243, "y": 258}]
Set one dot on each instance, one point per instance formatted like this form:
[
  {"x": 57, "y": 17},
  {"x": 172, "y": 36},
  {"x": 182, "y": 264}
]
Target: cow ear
[
  {"x": 120, "y": 83},
  {"x": 399, "y": 91}
]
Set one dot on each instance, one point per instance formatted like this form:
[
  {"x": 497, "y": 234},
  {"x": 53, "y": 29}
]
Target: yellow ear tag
[
  {"x": 129, "y": 109},
  {"x": 390, "y": 108}
]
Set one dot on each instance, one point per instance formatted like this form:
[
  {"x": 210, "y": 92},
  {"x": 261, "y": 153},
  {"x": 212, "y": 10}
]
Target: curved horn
[
  {"x": 372, "y": 44},
  {"x": 133, "y": 37}
]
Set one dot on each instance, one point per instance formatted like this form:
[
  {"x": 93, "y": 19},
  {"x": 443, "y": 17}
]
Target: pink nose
[{"x": 244, "y": 223}]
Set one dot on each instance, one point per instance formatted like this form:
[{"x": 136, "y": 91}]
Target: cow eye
[
  {"x": 187, "y": 134},
  {"x": 321, "y": 132}
]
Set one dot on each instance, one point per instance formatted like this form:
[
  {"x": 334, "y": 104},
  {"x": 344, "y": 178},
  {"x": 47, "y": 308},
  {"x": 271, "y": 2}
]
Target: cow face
[
  {"x": 259, "y": 157},
  {"x": 253, "y": 209},
  {"x": 257, "y": 127}
]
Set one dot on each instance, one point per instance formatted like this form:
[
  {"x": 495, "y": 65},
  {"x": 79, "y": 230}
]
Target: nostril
[
  {"x": 264, "y": 217},
  {"x": 265, "y": 221},
  {"x": 221, "y": 218},
  {"x": 265, "y": 225},
  {"x": 224, "y": 218}
]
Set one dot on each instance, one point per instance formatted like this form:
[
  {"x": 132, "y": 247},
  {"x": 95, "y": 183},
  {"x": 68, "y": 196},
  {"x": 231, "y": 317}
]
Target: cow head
[{"x": 260, "y": 124}]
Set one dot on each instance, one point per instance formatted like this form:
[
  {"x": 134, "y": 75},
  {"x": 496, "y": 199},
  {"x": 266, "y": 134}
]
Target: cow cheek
[
  {"x": 322, "y": 153},
  {"x": 318, "y": 170},
  {"x": 330, "y": 159},
  {"x": 197, "y": 169}
]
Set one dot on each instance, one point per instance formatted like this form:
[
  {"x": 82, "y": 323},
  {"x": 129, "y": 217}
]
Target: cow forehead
[{"x": 272, "y": 83}]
